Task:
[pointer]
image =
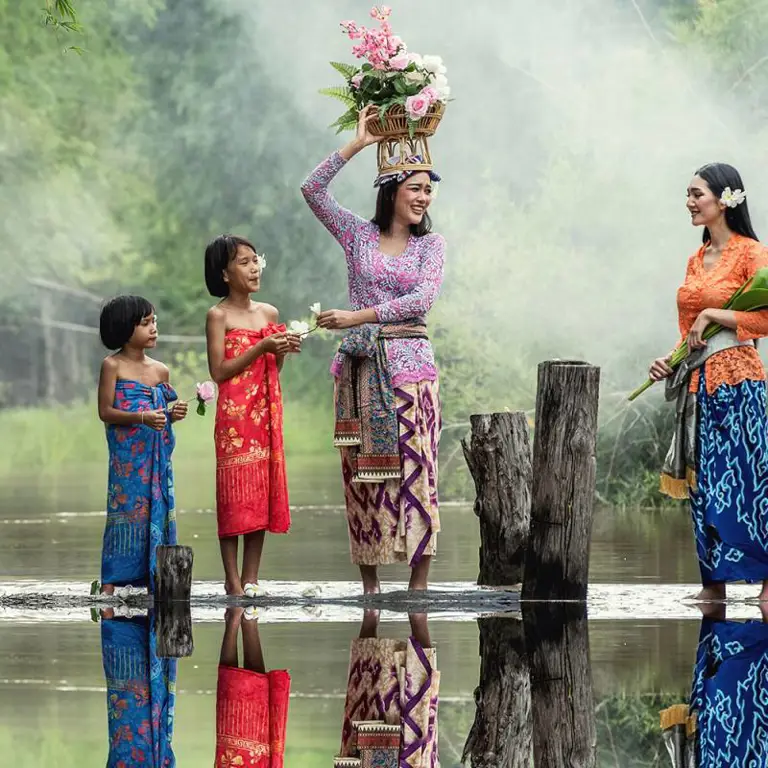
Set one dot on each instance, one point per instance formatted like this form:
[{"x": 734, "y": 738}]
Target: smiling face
[
  {"x": 705, "y": 208},
  {"x": 413, "y": 198},
  {"x": 145, "y": 333},
  {"x": 243, "y": 273}
]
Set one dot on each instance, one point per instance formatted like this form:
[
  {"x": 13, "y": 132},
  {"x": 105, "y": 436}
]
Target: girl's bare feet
[
  {"x": 233, "y": 589},
  {"x": 370, "y": 577},
  {"x": 420, "y": 574},
  {"x": 711, "y": 592},
  {"x": 763, "y": 596}
]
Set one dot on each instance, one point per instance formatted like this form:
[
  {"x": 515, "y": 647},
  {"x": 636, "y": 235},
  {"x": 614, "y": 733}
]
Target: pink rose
[
  {"x": 417, "y": 106},
  {"x": 399, "y": 62},
  {"x": 356, "y": 80},
  {"x": 206, "y": 392},
  {"x": 351, "y": 28},
  {"x": 430, "y": 93}
]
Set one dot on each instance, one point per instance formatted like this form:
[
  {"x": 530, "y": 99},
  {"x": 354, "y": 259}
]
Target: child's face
[
  {"x": 145, "y": 333},
  {"x": 243, "y": 273}
]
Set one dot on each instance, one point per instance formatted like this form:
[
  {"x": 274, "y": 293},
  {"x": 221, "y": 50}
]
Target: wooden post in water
[
  {"x": 557, "y": 641},
  {"x": 499, "y": 458},
  {"x": 173, "y": 630},
  {"x": 565, "y": 438},
  {"x": 501, "y": 734},
  {"x": 173, "y": 578}
]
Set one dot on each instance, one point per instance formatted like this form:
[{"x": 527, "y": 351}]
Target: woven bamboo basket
[{"x": 395, "y": 122}]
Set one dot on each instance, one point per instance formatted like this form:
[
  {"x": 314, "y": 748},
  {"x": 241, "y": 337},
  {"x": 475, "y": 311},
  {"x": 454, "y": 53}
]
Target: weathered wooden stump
[
  {"x": 173, "y": 630},
  {"x": 564, "y": 465},
  {"x": 499, "y": 458},
  {"x": 501, "y": 734},
  {"x": 557, "y": 641},
  {"x": 173, "y": 578}
]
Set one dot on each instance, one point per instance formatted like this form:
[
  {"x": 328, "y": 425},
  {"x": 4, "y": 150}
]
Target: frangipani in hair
[{"x": 733, "y": 197}]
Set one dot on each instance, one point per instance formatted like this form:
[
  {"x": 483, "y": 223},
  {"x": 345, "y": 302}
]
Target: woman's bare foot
[
  {"x": 711, "y": 592},
  {"x": 233, "y": 614},
  {"x": 420, "y": 575},
  {"x": 107, "y": 589},
  {"x": 763, "y": 596},
  {"x": 233, "y": 589}
]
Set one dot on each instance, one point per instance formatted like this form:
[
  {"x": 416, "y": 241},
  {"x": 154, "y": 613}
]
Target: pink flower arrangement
[{"x": 389, "y": 76}]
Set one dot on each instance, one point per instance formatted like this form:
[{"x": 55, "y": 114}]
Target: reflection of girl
[
  {"x": 728, "y": 697},
  {"x": 720, "y": 453},
  {"x": 396, "y": 682},
  {"x": 387, "y": 402},
  {"x": 251, "y": 704},
  {"x": 140, "y": 695}
]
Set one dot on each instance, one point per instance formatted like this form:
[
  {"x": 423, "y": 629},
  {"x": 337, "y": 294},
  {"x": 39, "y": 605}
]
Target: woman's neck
[
  {"x": 134, "y": 354},
  {"x": 398, "y": 230},
  {"x": 719, "y": 234}
]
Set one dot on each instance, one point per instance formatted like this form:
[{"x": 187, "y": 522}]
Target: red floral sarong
[
  {"x": 251, "y": 717},
  {"x": 251, "y": 486}
]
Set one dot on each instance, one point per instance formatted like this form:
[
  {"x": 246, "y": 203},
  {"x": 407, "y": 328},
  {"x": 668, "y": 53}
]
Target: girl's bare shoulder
[{"x": 266, "y": 311}]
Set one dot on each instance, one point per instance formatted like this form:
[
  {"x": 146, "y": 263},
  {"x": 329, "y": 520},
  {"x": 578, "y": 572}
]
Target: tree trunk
[
  {"x": 557, "y": 559},
  {"x": 173, "y": 630},
  {"x": 499, "y": 458},
  {"x": 564, "y": 731},
  {"x": 501, "y": 734},
  {"x": 173, "y": 579}
]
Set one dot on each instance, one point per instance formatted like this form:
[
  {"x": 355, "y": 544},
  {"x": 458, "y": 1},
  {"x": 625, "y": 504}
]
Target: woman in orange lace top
[{"x": 729, "y": 494}]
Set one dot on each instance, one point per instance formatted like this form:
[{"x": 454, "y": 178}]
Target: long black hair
[
  {"x": 218, "y": 254},
  {"x": 385, "y": 210},
  {"x": 719, "y": 176}
]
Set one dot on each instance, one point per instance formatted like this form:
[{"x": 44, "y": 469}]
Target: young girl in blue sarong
[{"x": 138, "y": 405}]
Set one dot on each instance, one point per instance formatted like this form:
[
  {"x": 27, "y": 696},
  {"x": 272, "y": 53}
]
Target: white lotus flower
[
  {"x": 434, "y": 64},
  {"x": 298, "y": 327},
  {"x": 732, "y": 198},
  {"x": 316, "y": 309}
]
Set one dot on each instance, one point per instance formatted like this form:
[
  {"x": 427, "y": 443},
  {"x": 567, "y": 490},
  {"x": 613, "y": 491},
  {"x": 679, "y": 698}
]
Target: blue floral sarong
[
  {"x": 141, "y": 695},
  {"x": 140, "y": 498},
  {"x": 730, "y": 505},
  {"x": 729, "y": 695}
]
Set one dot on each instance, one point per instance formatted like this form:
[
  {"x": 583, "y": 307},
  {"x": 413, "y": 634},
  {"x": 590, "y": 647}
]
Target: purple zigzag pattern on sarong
[
  {"x": 409, "y": 747},
  {"x": 406, "y": 450}
]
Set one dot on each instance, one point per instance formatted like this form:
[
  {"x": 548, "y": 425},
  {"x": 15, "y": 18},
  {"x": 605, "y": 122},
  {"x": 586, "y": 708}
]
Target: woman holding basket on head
[{"x": 387, "y": 396}]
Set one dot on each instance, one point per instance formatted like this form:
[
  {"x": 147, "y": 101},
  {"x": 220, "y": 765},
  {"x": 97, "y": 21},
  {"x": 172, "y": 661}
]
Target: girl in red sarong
[
  {"x": 246, "y": 349},
  {"x": 251, "y": 703}
]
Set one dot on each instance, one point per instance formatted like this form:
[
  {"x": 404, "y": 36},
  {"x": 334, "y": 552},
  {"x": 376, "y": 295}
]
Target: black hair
[
  {"x": 385, "y": 210},
  {"x": 119, "y": 318},
  {"x": 719, "y": 176},
  {"x": 218, "y": 254}
]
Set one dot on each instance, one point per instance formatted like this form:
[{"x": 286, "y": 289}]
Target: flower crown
[{"x": 733, "y": 197}]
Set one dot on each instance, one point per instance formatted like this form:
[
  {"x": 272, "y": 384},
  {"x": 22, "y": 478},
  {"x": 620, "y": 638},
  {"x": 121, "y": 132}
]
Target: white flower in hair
[
  {"x": 262, "y": 260},
  {"x": 732, "y": 198}
]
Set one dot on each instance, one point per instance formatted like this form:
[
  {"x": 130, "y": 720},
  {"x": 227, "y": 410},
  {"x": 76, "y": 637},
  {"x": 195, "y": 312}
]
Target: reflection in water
[
  {"x": 141, "y": 692},
  {"x": 251, "y": 703},
  {"x": 727, "y": 724},
  {"x": 390, "y": 711}
]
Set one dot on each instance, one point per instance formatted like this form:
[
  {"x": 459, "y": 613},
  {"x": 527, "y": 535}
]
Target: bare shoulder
[
  {"x": 216, "y": 313},
  {"x": 160, "y": 370},
  {"x": 270, "y": 312},
  {"x": 110, "y": 365}
]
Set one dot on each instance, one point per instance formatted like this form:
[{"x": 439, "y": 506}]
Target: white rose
[
  {"x": 416, "y": 77},
  {"x": 434, "y": 64},
  {"x": 439, "y": 81},
  {"x": 444, "y": 93}
]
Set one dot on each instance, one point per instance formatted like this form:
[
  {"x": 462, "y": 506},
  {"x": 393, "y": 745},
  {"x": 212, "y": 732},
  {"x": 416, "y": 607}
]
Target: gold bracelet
[{"x": 142, "y": 417}]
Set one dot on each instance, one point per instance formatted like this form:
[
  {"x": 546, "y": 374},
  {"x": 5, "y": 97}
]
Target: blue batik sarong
[
  {"x": 140, "y": 499},
  {"x": 141, "y": 695},
  {"x": 730, "y": 504},
  {"x": 730, "y": 695}
]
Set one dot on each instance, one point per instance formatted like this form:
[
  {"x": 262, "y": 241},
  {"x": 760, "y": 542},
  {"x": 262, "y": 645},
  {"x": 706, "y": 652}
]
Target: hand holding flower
[
  {"x": 660, "y": 368},
  {"x": 337, "y": 319},
  {"x": 178, "y": 410}
]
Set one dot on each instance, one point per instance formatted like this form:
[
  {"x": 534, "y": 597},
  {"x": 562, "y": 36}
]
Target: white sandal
[
  {"x": 252, "y": 590},
  {"x": 250, "y": 613}
]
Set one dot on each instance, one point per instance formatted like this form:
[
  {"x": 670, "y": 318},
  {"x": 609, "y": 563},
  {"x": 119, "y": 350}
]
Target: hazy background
[{"x": 575, "y": 129}]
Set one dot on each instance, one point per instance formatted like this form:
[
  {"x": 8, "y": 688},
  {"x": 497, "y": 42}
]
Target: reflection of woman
[
  {"x": 387, "y": 403},
  {"x": 729, "y": 694},
  {"x": 251, "y": 704},
  {"x": 720, "y": 452},
  {"x": 140, "y": 695},
  {"x": 396, "y": 683}
]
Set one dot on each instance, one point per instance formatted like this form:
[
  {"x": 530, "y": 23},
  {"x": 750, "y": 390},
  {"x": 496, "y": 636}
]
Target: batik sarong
[
  {"x": 395, "y": 682},
  {"x": 730, "y": 505},
  {"x": 251, "y": 717},
  {"x": 398, "y": 520},
  {"x": 251, "y": 487},
  {"x": 729, "y": 695},
  {"x": 140, "y": 499},
  {"x": 141, "y": 694}
]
